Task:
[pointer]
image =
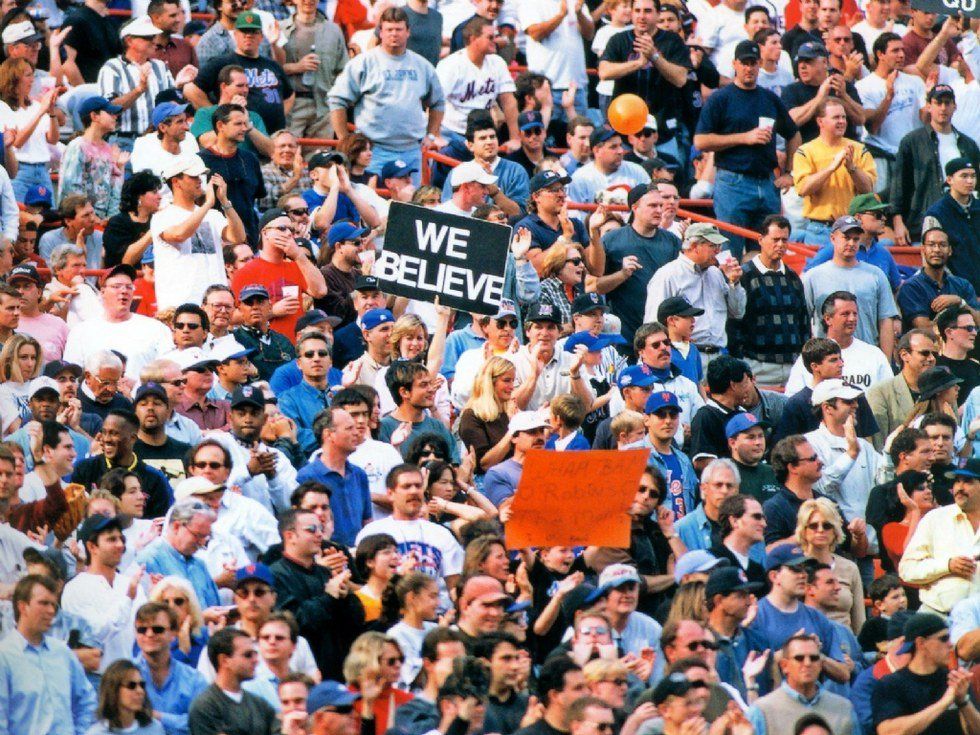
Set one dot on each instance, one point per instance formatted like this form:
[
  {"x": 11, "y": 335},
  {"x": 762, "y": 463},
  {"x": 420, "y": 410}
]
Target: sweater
[
  {"x": 782, "y": 708},
  {"x": 215, "y": 712},
  {"x": 776, "y": 322}
]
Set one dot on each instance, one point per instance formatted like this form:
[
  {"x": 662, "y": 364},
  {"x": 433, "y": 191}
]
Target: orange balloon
[{"x": 628, "y": 114}]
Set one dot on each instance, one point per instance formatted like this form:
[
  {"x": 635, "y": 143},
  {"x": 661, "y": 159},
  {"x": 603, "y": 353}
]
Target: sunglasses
[
  {"x": 393, "y": 661},
  {"x": 664, "y": 413},
  {"x": 179, "y": 382},
  {"x": 618, "y": 682},
  {"x": 645, "y": 133},
  {"x": 811, "y": 458},
  {"x": 208, "y": 465},
  {"x": 574, "y": 261},
  {"x": 257, "y": 592},
  {"x": 156, "y": 629},
  {"x": 659, "y": 343},
  {"x": 926, "y": 353},
  {"x": 512, "y": 323},
  {"x": 298, "y": 212},
  {"x": 177, "y": 601},
  {"x": 820, "y": 526},
  {"x": 187, "y": 325},
  {"x": 811, "y": 658},
  {"x": 312, "y": 528},
  {"x": 968, "y": 328},
  {"x": 134, "y": 685},
  {"x": 315, "y": 353},
  {"x": 755, "y": 516},
  {"x": 705, "y": 645}
]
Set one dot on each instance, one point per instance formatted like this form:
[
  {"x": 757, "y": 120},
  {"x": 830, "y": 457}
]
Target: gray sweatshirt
[{"x": 389, "y": 95}]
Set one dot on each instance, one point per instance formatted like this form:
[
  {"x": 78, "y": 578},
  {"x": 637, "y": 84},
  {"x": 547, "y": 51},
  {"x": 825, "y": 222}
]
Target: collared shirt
[
  {"x": 553, "y": 380},
  {"x": 758, "y": 720},
  {"x": 350, "y": 498},
  {"x": 249, "y": 522},
  {"x": 275, "y": 177},
  {"x": 162, "y": 558},
  {"x": 302, "y": 403},
  {"x": 757, "y": 261},
  {"x": 271, "y": 492},
  {"x": 205, "y": 413},
  {"x": 176, "y": 53},
  {"x": 705, "y": 288},
  {"x": 120, "y": 76},
  {"x": 173, "y": 698},
  {"x": 369, "y": 369},
  {"x": 695, "y": 530},
  {"x": 916, "y": 295},
  {"x": 43, "y": 689},
  {"x": 942, "y": 534},
  {"x": 182, "y": 429}
]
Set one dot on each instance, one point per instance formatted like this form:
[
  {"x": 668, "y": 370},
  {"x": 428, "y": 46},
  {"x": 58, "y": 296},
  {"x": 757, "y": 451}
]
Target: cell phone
[{"x": 74, "y": 639}]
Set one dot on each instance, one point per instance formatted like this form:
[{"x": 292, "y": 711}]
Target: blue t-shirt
[
  {"x": 544, "y": 237},
  {"x": 732, "y": 110},
  {"x": 345, "y": 207}
]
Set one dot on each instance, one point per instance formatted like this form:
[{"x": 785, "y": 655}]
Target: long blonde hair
[
  {"x": 689, "y": 603},
  {"x": 181, "y": 585},
  {"x": 824, "y": 508},
  {"x": 365, "y": 654},
  {"x": 10, "y": 367},
  {"x": 483, "y": 401}
]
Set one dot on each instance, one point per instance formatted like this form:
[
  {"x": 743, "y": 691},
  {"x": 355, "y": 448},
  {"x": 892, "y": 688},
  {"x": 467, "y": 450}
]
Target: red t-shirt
[
  {"x": 274, "y": 276},
  {"x": 146, "y": 292}
]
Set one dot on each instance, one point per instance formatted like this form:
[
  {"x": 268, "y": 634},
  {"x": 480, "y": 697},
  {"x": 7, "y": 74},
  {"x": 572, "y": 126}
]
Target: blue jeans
[
  {"x": 412, "y": 156},
  {"x": 581, "y": 106},
  {"x": 816, "y": 233},
  {"x": 744, "y": 201},
  {"x": 31, "y": 174}
]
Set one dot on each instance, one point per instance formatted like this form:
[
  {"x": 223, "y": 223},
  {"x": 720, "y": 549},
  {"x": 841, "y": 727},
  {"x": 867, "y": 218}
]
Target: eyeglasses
[
  {"x": 207, "y": 465},
  {"x": 972, "y": 328},
  {"x": 257, "y": 592},
  {"x": 820, "y": 526},
  {"x": 298, "y": 212},
  {"x": 755, "y": 516},
  {"x": 315, "y": 353},
  {"x": 134, "y": 685},
  {"x": 574, "y": 261},
  {"x": 810, "y": 658},
  {"x": 105, "y": 383},
  {"x": 594, "y": 630},
  {"x": 659, "y": 343},
  {"x": 156, "y": 629},
  {"x": 272, "y": 637},
  {"x": 179, "y": 382},
  {"x": 312, "y": 528},
  {"x": 187, "y": 325},
  {"x": 811, "y": 458},
  {"x": 926, "y": 353},
  {"x": 505, "y": 323},
  {"x": 393, "y": 661},
  {"x": 705, "y": 645}
]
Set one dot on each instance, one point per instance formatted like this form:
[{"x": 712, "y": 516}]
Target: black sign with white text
[
  {"x": 969, "y": 8},
  {"x": 428, "y": 253}
]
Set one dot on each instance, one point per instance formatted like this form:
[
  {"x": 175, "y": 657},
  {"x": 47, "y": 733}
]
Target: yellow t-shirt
[
  {"x": 834, "y": 197},
  {"x": 372, "y": 605}
]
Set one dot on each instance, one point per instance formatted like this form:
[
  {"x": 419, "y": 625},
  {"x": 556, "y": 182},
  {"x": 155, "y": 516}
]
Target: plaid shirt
[
  {"x": 553, "y": 292},
  {"x": 275, "y": 178}
]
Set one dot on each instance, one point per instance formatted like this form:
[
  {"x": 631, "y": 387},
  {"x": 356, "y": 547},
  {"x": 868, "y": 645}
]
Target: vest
[{"x": 782, "y": 710}]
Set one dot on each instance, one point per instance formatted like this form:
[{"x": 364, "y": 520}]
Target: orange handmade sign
[{"x": 575, "y": 498}]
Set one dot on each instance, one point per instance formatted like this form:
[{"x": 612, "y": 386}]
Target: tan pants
[{"x": 304, "y": 122}]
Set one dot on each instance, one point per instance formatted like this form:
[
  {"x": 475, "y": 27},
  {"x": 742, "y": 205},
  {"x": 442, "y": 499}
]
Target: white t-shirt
[
  {"x": 36, "y": 149},
  {"x": 449, "y": 206},
  {"x": 947, "y": 149},
  {"x": 377, "y": 459},
  {"x": 560, "y": 56},
  {"x": 184, "y": 271},
  {"x": 903, "y": 115},
  {"x": 864, "y": 365},
  {"x": 774, "y": 81},
  {"x": 599, "y": 42},
  {"x": 469, "y": 87},
  {"x": 722, "y": 32},
  {"x": 410, "y": 639},
  {"x": 436, "y": 551},
  {"x": 870, "y": 34},
  {"x": 84, "y": 305},
  {"x": 148, "y": 154},
  {"x": 140, "y": 338}
]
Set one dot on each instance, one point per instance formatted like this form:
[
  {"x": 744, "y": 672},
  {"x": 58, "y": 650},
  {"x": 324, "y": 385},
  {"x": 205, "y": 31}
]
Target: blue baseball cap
[
  {"x": 636, "y": 376},
  {"x": 545, "y": 179},
  {"x": 166, "y": 109},
  {"x": 784, "y": 555},
  {"x": 970, "y": 468},
  {"x": 258, "y": 572},
  {"x": 743, "y": 422},
  {"x": 592, "y": 344},
  {"x": 344, "y": 231},
  {"x": 330, "y": 694},
  {"x": 38, "y": 196},
  {"x": 530, "y": 119},
  {"x": 93, "y": 104},
  {"x": 375, "y": 318},
  {"x": 661, "y": 399},
  {"x": 396, "y": 170},
  {"x": 694, "y": 562},
  {"x": 252, "y": 290}
]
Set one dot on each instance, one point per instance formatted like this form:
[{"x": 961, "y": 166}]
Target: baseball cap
[
  {"x": 193, "y": 358},
  {"x": 248, "y": 21},
  {"x": 375, "y": 318},
  {"x": 56, "y": 367},
  {"x": 941, "y": 90},
  {"x": 123, "y": 268},
  {"x": 704, "y": 231},
  {"x": 728, "y": 579},
  {"x": 587, "y": 302},
  {"x": 166, "y": 109},
  {"x": 931, "y": 223},
  {"x": 742, "y": 422},
  {"x": 543, "y": 313},
  {"x": 661, "y": 399},
  {"x": 601, "y": 134},
  {"x": 970, "y": 468},
  {"x": 248, "y": 395},
  {"x": 896, "y": 624},
  {"x": 827, "y": 390},
  {"x": 530, "y": 119},
  {"x": 253, "y": 290},
  {"x": 694, "y": 562},
  {"x": 96, "y": 524},
  {"x": 151, "y": 389},
  {"x": 545, "y": 179},
  {"x": 38, "y": 196},
  {"x": 636, "y": 375},
  {"x": 195, "y": 28},
  {"x": 616, "y": 575},
  {"x": 329, "y": 694},
  {"x": 958, "y": 164},
  {"x": 651, "y": 123},
  {"x": 483, "y": 588},
  {"x": 192, "y": 486},
  {"x": 191, "y": 165},
  {"x": 230, "y": 349},
  {"x": 23, "y": 32},
  {"x": 344, "y": 231},
  {"x": 811, "y": 50},
  {"x": 271, "y": 215},
  {"x": 506, "y": 308},
  {"x": 675, "y": 685},
  {"x": 43, "y": 383},
  {"x": 921, "y": 625},
  {"x": 24, "y": 271},
  {"x": 747, "y": 50},
  {"x": 592, "y": 344},
  {"x": 526, "y": 421},
  {"x": 471, "y": 172},
  {"x": 315, "y": 316},
  {"x": 676, "y": 306},
  {"x": 365, "y": 282},
  {"x": 94, "y": 104},
  {"x": 396, "y": 170},
  {"x": 141, "y": 27},
  {"x": 847, "y": 223},
  {"x": 637, "y": 193},
  {"x": 869, "y": 202},
  {"x": 578, "y": 597},
  {"x": 257, "y": 572},
  {"x": 784, "y": 555},
  {"x": 322, "y": 159}
]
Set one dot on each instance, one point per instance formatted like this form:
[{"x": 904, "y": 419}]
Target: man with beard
[
  {"x": 118, "y": 436},
  {"x": 152, "y": 407}
]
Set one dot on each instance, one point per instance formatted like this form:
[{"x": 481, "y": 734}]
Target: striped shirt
[{"x": 119, "y": 76}]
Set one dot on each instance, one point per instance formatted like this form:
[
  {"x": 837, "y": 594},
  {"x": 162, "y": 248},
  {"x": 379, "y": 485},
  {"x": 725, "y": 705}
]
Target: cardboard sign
[
  {"x": 969, "y": 8},
  {"x": 429, "y": 253},
  {"x": 575, "y": 498}
]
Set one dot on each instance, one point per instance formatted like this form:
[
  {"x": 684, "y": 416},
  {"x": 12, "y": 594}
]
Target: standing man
[
  {"x": 957, "y": 329},
  {"x": 817, "y": 86},
  {"x": 92, "y": 40},
  {"x": 304, "y": 402},
  {"x": 171, "y": 48},
  {"x": 776, "y": 323},
  {"x": 892, "y": 400},
  {"x": 921, "y": 161},
  {"x": 957, "y": 212},
  {"x": 739, "y": 124},
  {"x": 663, "y": 414},
  {"x": 386, "y": 78}
]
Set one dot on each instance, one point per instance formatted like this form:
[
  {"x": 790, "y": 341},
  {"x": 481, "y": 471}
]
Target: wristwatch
[{"x": 430, "y": 137}]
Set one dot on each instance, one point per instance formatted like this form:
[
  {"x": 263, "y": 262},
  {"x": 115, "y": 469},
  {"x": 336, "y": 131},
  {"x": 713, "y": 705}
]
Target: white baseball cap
[
  {"x": 142, "y": 27},
  {"x": 526, "y": 421},
  {"x": 23, "y": 32},
  {"x": 828, "y": 390},
  {"x": 191, "y": 164},
  {"x": 471, "y": 171}
]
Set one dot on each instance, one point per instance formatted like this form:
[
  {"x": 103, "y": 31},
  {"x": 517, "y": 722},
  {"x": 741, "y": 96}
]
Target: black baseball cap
[
  {"x": 941, "y": 90},
  {"x": 676, "y": 306},
  {"x": 921, "y": 625},
  {"x": 248, "y": 395},
  {"x": 958, "y": 164},
  {"x": 587, "y": 302},
  {"x": 728, "y": 579},
  {"x": 366, "y": 283},
  {"x": 151, "y": 389},
  {"x": 56, "y": 367},
  {"x": 96, "y": 524},
  {"x": 747, "y": 50}
]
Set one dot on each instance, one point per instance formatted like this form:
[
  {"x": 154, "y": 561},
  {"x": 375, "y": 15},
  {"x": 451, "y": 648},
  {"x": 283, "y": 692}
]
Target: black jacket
[
  {"x": 160, "y": 496},
  {"x": 330, "y": 625}
]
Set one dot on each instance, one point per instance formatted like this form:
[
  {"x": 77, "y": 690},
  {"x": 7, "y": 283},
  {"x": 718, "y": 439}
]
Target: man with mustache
[{"x": 527, "y": 430}]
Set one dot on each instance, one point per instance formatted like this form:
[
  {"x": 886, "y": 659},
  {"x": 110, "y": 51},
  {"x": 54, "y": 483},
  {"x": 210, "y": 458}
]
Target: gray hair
[
  {"x": 716, "y": 465},
  {"x": 102, "y": 359},
  {"x": 59, "y": 258},
  {"x": 187, "y": 510}
]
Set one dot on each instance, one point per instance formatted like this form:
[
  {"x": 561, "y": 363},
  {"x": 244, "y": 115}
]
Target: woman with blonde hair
[
  {"x": 819, "y": 531},
  {"x": 484, "y": 420},
  {"x": 192, "y": 633},
  {"x": 409, "y": 341},
  {"x": 608, "y": 680},
  {"x": 378, "y": 657},
  {"x": 562, "y": 279},
  {"x": 35, "y": 125},
  {"x": 689, "y": 603},
  {"x": 20, "y": 363}
]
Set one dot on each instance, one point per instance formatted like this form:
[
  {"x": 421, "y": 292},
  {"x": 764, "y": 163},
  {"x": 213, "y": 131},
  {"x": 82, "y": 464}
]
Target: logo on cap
[
  {"x": 742, "y": 577},
  {"x": 665, "y": 396},
  {"x": 545, "y": 309}
]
